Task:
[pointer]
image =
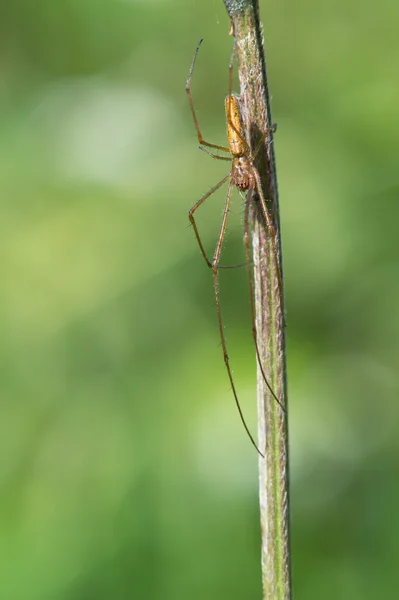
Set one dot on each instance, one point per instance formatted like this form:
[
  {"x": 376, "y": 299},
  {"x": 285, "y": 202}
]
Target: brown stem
[{"x": 269, "y": 308}]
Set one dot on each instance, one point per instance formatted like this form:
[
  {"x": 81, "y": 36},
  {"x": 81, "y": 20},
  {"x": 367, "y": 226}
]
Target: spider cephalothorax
[{"x": 241, "y": 173}]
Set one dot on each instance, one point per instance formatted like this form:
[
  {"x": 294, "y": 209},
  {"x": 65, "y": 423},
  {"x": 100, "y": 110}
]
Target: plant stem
[{"x": 269, "y": 308}]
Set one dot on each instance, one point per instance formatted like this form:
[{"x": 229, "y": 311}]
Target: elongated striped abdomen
[{"x": 234, "y": 126}]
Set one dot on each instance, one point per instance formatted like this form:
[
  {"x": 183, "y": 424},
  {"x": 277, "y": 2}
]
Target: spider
[{"x": 245, "y": 177}]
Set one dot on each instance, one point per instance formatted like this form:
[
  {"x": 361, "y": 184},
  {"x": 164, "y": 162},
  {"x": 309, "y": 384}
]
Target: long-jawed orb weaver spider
[{"x": 244, "y": 175}]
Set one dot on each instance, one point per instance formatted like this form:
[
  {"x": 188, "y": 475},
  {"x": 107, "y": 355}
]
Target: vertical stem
[{"x": 272, "y": 420}]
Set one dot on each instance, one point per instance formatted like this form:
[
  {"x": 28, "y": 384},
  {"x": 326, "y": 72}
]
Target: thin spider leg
[
  {"x": 232, "y": 266},
  {"x": 215, "y": 270},
  {"x": 273, "y": 234},
  {"x": 191, "y": 102},
  {"x": 229, "y": 158},
  {"x": 194, "y": 208},
  {"x": 269, "y": 130},
  {"x": 231, "y": 70},
  {"x": 251, "y": 295},
  {"x": 222, "y": 233}
]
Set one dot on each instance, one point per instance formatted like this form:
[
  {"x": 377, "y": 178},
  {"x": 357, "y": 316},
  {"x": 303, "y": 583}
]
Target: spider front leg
[{"x": 191, "y": 102}]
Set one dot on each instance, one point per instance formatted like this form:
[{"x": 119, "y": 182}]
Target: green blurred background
[{"x": 125, "y": 471}]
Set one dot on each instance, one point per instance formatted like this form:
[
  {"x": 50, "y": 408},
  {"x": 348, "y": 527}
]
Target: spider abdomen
[{"x": 235, "y": 133}]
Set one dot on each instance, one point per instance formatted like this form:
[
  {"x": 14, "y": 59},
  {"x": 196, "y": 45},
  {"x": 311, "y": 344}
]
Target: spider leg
[
  {"x": 191, "y": 102},
  {"x": 215, "y": 261},
  {"x": 251, "y": 294},
  {"x": 273, "y": 234},
  {"x": 231, "y": 69},
  {"x": 194, "y": 208},
  {"x": 229, "y": 158},
  {"x": 269, "y": 130}
]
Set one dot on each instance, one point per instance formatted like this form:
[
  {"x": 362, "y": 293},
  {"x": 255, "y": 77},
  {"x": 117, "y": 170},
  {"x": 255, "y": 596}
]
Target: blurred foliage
[{"x": 125, "y": 472}]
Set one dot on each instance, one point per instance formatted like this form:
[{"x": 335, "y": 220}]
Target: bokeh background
[{"x": 125, "y": 471}]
